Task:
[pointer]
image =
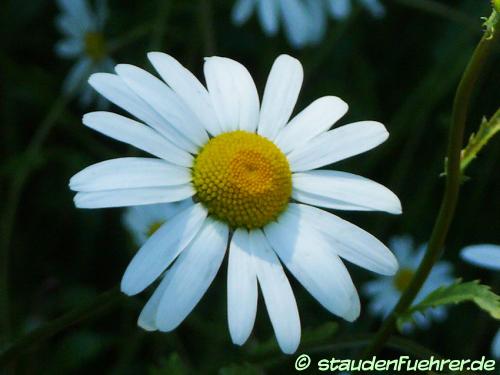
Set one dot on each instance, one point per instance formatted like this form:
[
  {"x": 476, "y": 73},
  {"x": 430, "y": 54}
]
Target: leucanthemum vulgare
[{"x": 251, "y": 175}]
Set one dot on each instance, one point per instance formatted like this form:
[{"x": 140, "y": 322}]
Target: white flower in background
[
  {"x": 304, "y": 21},
  {"x": 485, "y": 256},
  {"x": 143, "y": 221},
  {"x": 242, "y": 162},
  {"x": 84, "y": 42},
  {"x": 385, "y": 291},
  {"x": 340, "y": 9}
]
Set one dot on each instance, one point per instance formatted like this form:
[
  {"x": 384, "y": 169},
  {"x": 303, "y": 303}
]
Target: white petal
[
  {"x": 267, "y": 11},
  {"x": 484, "y": 255},
  {"x": 374, "y": 7},
  {"x": 340, "y": 8},
  {"x": 67, "y": 26},
  {"x": 69, "y": 48},
  {"x": 296, "y": 22},
  {"x": 79, "y": 12},
  {"x": 241, "y": 288},
  {"x": 192, "y": 274},
  {"x": 278, "y": 295},
  {"x": 129, "y": 173},
  {"x": 402, "y": 246},
  {"x": 337, "y": 144},
  {"x": 375, "y": 287},
  {"x": 233, "y": 94},
  {"x": 164, "y": 101},
  {"x": 343, "y": 191},
  {"x": 188, "y": 87},
  {"x": 310, "y": 259},
  {"x": 318, "y": 21},
  {"x": 242, "y": 11},
  {"x": 495, "y": 346},
  {"x": 77, "y": 75},
  {"x": 162, "y": 248},
  {"x": 347, "y": 240},
  {"x": 139, "y": 219},
  {"x": 280, "y": 95},
  {"x": 138, "y": 135},
  {"x": 116, "y": 91},
  {"x": 317, "y": 118},
  {"x": 133, "y": 197},
  {"x": 147, "y": 317}
]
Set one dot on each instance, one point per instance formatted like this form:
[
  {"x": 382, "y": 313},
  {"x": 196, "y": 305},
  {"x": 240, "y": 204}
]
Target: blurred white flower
[
  {"x": 83, "y": 41},
  {"x": 340, "y": 9},
  {"x": 486, "y": 256},
  {"x": 143, "y": 221},
  {"x": 384, "y": 292},
  {"x": 242, "y": 162},
  {"x": 304, "y": 21}
]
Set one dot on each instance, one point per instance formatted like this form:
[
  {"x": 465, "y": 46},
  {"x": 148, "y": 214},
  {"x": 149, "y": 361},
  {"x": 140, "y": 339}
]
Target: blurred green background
[{"x": 401, "y": 70}]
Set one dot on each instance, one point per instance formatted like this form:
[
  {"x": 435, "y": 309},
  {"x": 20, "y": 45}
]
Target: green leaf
[
  {"x": 477, "y": 141},
  {"x": 458, "y": 292}
]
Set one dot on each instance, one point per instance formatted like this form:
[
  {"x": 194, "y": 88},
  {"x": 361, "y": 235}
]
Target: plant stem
[
  {"x": 207, "y": 27},
  {"x": 160, "y": 26},
  {"x": 130, "y": 37},
  {"x": 99, "y": 305},
  {"x": 11, "y": 204},
  {"x": 450, "y": 196}
]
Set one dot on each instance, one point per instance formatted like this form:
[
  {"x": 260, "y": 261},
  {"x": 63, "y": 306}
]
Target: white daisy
[
  {"x": 486, "y": 256},
  {"x": 243, "y": 163},
  {"x": 304, "y": 21},
  {"x": 385, "y": 291},
  {"x": 143, "y": 221},
  {"x": 84, "y": 42}
]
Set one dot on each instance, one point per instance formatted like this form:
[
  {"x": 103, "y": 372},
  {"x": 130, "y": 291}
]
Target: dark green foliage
[{"x": 401, "y": 70}]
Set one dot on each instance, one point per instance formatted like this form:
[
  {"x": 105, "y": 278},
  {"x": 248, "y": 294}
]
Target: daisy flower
[
  {"x": 485, "y": 256},
  {"x": 250, "y": 172},
  {"x": 143, "y": 221},
  {"x": 304, "y": 21},
  {"x": 83, "y": 41},
  {"x": 385, "y": 291}
]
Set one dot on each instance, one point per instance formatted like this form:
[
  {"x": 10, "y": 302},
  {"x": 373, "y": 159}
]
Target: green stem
[
  {"x": 450, "y": 197},
  {"x": 207, "y": 27},
  {"x": 11, "y": 204},
  {"x": 160, "y": 26},
  {"x": 98, "y": 306},
  {"x": 130, "y": 37}
]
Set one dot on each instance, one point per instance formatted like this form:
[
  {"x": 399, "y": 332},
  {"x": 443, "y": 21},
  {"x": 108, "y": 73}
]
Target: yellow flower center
[
  {"x": 242, "y": 179},
  {"x": 154, "y": 227},
  {"x": 95, "y": 45},
  {"x": 402, "y": 279}
]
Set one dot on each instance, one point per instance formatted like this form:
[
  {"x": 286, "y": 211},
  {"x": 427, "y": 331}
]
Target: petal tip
[
  {"x": 145, "y": 325},
  {"x": 127, "y": 288}
]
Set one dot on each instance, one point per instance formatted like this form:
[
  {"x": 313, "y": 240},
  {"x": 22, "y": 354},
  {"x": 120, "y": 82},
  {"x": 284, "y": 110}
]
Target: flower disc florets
[{"x": 243, "y": 179}]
